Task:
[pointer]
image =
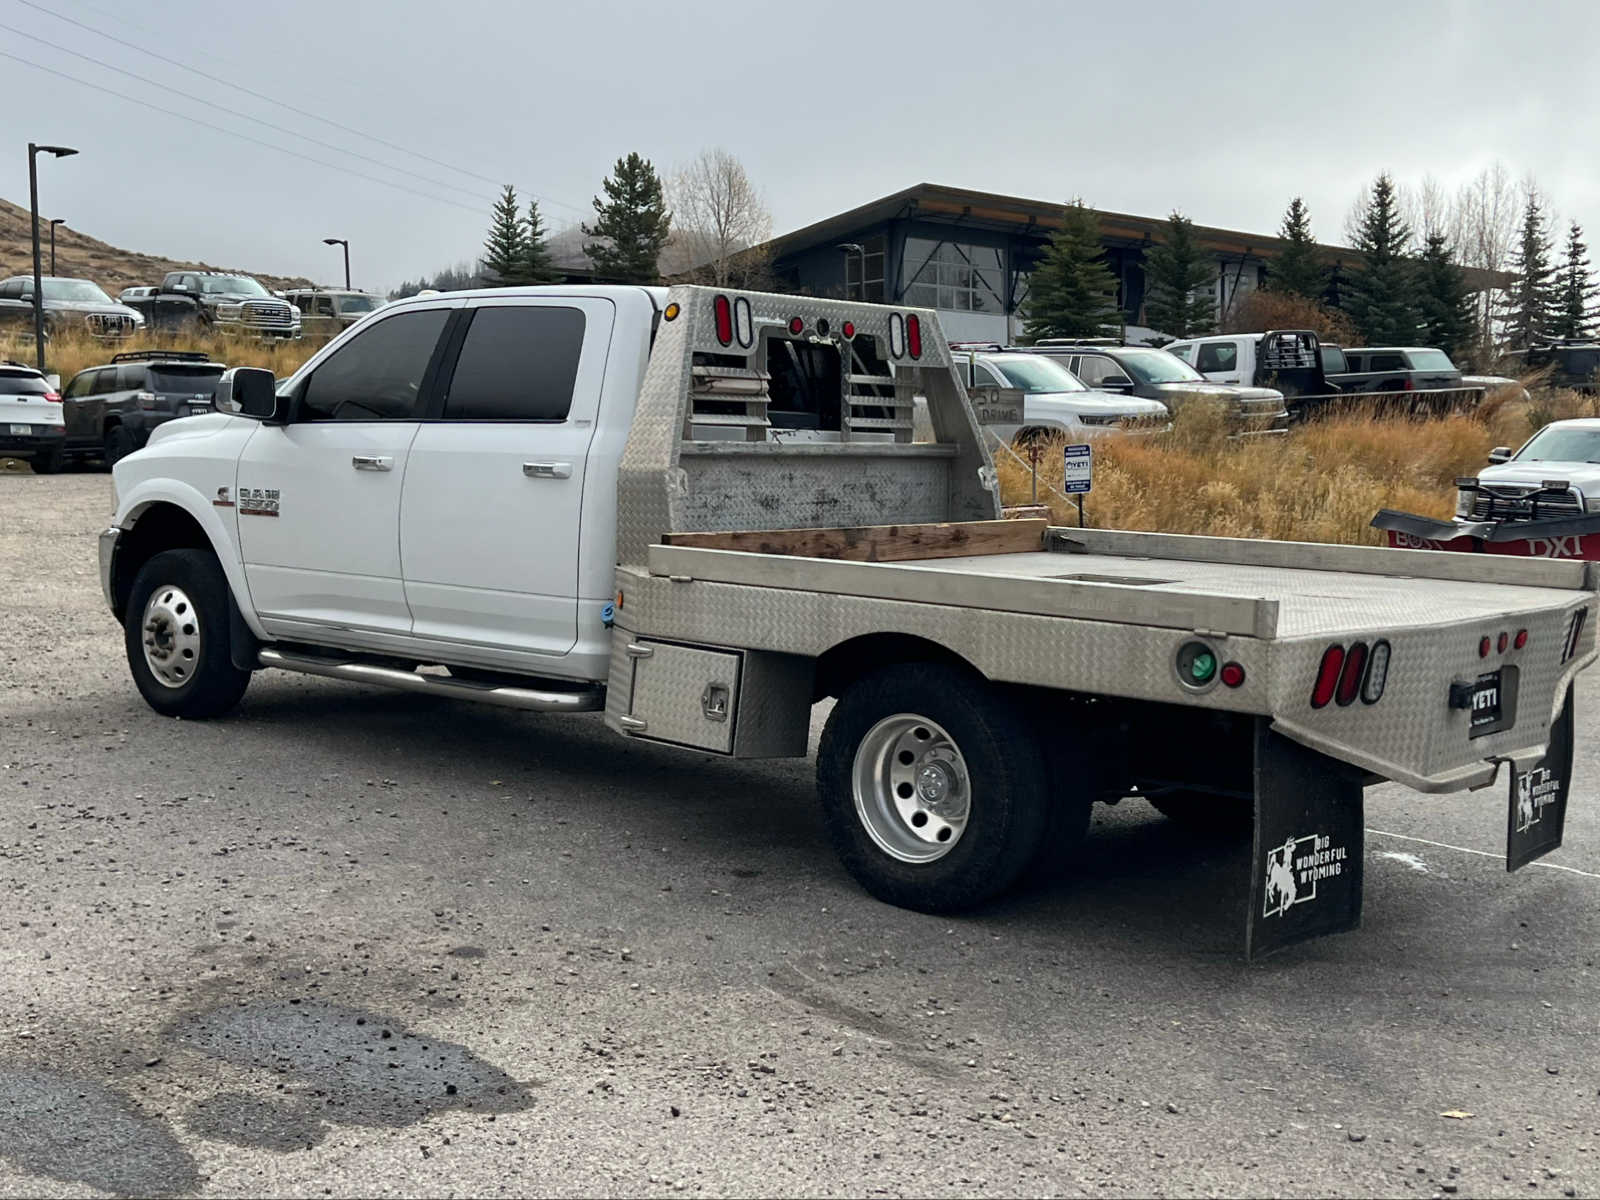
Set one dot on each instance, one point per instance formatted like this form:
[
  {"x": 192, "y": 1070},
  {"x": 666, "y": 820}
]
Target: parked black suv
[
  {"x": 111, "y": 410},
  {"x": 1572, "y": 364}
]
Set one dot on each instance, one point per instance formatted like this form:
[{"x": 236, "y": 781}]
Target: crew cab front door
[
  {"x": 490, "y": 520},
  {"x": 318, "y": 499}
]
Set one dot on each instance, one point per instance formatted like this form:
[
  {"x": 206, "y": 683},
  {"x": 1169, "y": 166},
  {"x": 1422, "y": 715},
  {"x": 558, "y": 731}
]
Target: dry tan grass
[
  {"x": 70, "y": 353},
  {"x": 1321, "y": 483}
]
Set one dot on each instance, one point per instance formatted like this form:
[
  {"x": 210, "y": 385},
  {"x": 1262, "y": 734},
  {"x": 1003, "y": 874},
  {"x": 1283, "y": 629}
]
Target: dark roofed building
[{"x": 968, "y": 254}]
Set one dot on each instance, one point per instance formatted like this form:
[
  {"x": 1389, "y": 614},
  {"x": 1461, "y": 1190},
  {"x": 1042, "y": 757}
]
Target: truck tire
[
  {"x": 1204, "y": 813},
  {"x": 47, "y": 462},
  {"x": 934, "y": 792},
  {"x": 177, "y": 636},
  {"x": 118, "y": 445}
]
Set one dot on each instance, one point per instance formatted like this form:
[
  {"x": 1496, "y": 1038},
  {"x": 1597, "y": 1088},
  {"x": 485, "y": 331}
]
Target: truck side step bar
[{"x": 566, "y": 700}]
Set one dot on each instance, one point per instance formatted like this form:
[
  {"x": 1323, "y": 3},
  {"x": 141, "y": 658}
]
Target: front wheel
[
  {"x": 177, "y": 636},
  {"x": 933, "y": 791}
]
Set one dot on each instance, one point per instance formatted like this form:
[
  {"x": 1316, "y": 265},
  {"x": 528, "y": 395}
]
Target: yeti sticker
[{"x": 1537, "y": 811}]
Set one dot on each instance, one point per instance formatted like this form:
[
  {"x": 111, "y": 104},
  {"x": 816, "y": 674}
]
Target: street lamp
[
  {"x": 854, "y": 248},
  {"x": 33, "y": 204},
  {"x": 54, "y": 221},
  {"x": 346, "y": 245}
]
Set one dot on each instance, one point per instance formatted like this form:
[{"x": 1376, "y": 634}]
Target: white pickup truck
[{"x": 531, "y": 497}]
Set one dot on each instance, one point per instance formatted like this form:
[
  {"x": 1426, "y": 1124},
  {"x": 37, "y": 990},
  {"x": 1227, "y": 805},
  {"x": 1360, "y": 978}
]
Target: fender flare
[{"x": 185, "y": 497}]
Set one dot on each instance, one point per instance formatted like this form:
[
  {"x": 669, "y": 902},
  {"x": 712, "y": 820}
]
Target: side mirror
[
  {"x": 1115, "y": 383},
  {"x": 1500, "y": 454},
  {"x": 249, "y": 392}
]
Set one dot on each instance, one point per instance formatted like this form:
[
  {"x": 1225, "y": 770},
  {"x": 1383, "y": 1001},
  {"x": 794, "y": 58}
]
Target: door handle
[
  {"x": 372, "y": 462},
  {"x": 547, "y": 470}
]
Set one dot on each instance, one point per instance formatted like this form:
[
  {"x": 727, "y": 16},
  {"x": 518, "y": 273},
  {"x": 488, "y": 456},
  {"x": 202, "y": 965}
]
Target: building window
[
  {"x": 872, "y": 262},
  {"x": 954, "y": 276}
]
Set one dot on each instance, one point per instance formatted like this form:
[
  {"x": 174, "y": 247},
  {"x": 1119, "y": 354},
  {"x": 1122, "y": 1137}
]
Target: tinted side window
[
  {"x": 1092, "y": 368},
  {"x": 80, "y": 384},
  {"x": 133, "y": 377},
  {"x": 516, "y": 364},
  {"x": 378, "y": 375},
  {"x": 1388, "y": 362},
  {"x": 105, "y": 380},
  {"x": 1217, "y": 356},
  {"x": 12, "y": 290}
]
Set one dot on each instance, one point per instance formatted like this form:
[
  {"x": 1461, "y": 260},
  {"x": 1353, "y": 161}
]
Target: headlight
[
  {"x": 229, "y": 310},
  {"x": 1591, "y": 504},
  {"x": 295, "y": 309},
  {"x": 1463, "y": 504}
]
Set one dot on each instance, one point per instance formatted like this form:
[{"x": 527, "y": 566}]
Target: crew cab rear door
[{"x": 489, "y": 523}]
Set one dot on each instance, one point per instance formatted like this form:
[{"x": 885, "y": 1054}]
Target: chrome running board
[{"x": 582, "y": 698}]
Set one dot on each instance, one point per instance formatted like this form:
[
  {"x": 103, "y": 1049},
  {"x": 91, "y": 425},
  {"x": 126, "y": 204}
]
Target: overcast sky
[{"x": 1223, "y": 111}]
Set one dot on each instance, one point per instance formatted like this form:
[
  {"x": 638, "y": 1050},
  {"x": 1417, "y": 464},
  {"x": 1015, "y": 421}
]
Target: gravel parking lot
[{"x": 356, "y": 942}]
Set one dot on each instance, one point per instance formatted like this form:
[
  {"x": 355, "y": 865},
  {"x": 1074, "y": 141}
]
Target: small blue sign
[{"x": 1078, "y": 478}]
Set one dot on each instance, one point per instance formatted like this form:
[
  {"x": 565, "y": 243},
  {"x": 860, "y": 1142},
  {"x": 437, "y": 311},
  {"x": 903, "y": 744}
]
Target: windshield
[
  {"x": 1035, "y": 374},
  {"x": 1431, "y": 360},
  {"x": 1562, "y": 443},
  {"x": 1157, "y": 366},
  {"x": 192, "y": 381},
  {"x": 74, "y": 289},
  {"x": 357, "y": 304},
  {"x": 236, "y": 285}
]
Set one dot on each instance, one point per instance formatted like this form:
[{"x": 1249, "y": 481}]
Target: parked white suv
[
  {"x": 1055, "y": 398},
  {"x": 30, "y": 417}
]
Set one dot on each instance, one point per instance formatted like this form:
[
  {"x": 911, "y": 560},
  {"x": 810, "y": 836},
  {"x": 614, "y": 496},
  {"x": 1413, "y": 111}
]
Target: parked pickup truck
[
  {"x": 569, "y": 537},
  {"x": 190, "y": 301},
  {"x": 1390, "y": 369},
  {"x": 1284, "y": 359}
]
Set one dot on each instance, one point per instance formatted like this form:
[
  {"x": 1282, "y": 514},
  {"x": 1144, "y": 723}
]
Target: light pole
[
  {"x": 33, "y": 204},
  {"x": 341, "y": 242},
  {"x": 854, "y": 248},
  {"x": 54, "y": 221}
]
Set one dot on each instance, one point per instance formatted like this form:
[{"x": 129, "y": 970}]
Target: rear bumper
[{"x": 48, "y": 438}]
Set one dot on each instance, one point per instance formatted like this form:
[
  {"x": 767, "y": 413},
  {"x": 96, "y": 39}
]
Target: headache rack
[{"x": 161, "y": 356}]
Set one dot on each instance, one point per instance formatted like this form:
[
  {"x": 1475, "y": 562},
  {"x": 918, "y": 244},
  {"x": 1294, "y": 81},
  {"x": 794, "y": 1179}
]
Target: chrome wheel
[
  {"x": 913, "y": 792},
  {"x": 170, "y": 632}
]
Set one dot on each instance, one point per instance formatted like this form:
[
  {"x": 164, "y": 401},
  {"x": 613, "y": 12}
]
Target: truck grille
[
  {"x": 109, "y": 325},
  {"x": 266, "y": 314},
  {"x": 1509, "y": 502}
]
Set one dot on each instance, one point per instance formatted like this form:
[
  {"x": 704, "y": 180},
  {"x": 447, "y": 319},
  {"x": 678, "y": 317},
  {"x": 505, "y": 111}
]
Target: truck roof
[{"x": 657, "y": 295}]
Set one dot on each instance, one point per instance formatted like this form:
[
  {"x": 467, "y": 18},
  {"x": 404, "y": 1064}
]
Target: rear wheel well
[
  {"x": 841, "y": 665},
  {"x": 160, "y": 527}
]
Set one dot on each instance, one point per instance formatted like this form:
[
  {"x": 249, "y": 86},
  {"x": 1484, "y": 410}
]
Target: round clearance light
[
  {"x": 849, "y": 329},
  {"x": 671, "y": 311},
  {"x": 1232, "y": 675},
  {"x": 822, "y": 326},
  {"x": 1196, "y": 665},
  {"x": 796, "y": 325},
  {"x": 1377, "y": 673},
  {"x": 1522, "y": 639}
]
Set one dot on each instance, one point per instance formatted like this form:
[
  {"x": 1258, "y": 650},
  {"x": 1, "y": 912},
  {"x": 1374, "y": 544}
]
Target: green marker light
[{"x": 1203, "y": 667}]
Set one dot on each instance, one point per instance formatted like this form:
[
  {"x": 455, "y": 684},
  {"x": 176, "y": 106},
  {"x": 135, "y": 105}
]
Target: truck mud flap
[
  {"x": 1537, "y": 813},
  {"x": 1306, "y": 866}
]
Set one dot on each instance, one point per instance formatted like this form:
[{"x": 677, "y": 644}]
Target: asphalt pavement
[{"x": 355, "y": 942}]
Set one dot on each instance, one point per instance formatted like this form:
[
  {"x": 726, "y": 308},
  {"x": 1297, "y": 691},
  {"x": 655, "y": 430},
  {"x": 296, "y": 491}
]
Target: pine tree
[
  {"x": 1446, "y": 313},
  {"x": 536, "y": 264},
  {"x": 1179, "y": 301},
  {"x": 1574, "y": 317},
  {"x": 1530, "y": 306},
  {"x": 1071, "y": 292},
  {"x": 633, "y": 221},
  {"x": 503, "y": 250},
  {"x": 1380, "y": 294},
  {"x": 1297, "y": 269}
]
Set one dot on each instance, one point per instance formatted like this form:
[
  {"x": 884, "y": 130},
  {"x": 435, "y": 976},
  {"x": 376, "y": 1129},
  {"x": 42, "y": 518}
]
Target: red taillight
[
  {"x": 1505, "y": 640},
  {"x": 1522, "y": 639},
  {"x": 1410, "y": 385},
  {"x": 1327, "y": 676},
  {"x": 1483, "y": 647},
  {"x": 724, "y": 314},
  {"x": 796, "y": 325},
  {"x": 53, "y": 397},
  {"x": 849, "y": 329},
  {"x": 1355, "y": 665},
  {"x": 1232, "y": 675},
  {"x": 914, "y": 336}
]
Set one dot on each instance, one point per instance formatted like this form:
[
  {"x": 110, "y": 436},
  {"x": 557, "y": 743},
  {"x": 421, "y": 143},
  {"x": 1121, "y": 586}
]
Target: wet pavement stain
[
  {"x": 81, "y": 1132},
  {"x": 253, "y": 1122},
  {"x": 359, "y": 1068}
]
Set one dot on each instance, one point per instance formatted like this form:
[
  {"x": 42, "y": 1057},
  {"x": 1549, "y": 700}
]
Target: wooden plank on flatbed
[{"x": 877, "y": 543}]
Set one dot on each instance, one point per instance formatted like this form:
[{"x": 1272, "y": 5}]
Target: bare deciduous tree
[
  {"x": 718, "y": 214},
  {"x": 1487, "y": 211}
]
